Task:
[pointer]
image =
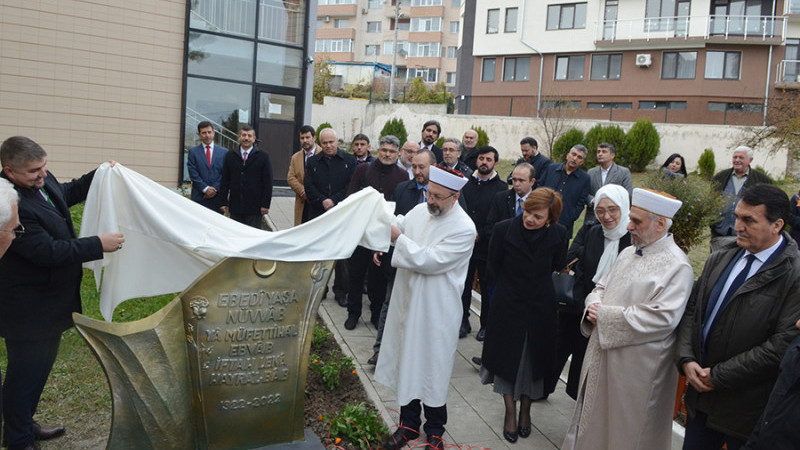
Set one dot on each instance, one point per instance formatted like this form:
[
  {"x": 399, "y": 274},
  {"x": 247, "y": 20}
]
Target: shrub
[
  {"x": 331, "y": 370},
  {"x": 612, "y": 134},
  {"x": 439, "y": 142},
  {"x": 562, "y": 146},
  {"x": 641, "y": 146},
  {"x": 321, "y": 334},
  {"x": 701, "y": 207},
  {"x": 396, "y": 128},
  {"x": 706, "y": 166},
  {"x": 358, "y": 425},
  {"x": 321, "y": 127},
  {"x": 483, "y": 138}
]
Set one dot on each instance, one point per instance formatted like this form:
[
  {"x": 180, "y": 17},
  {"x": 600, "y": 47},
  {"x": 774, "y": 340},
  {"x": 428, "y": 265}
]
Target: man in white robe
[
  {"x": 628, "y": 382},
  {"x": 433, "y": 243}
]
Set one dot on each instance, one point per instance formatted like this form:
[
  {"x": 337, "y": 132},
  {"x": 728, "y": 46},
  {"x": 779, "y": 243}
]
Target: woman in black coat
[
  {"x": 519, "y": 354},
  {"x": 609, "y": 234}
]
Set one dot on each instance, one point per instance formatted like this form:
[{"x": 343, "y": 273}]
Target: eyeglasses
[
  {"x": 439, "y": 198},
  {"x": 18, "y": 231}
]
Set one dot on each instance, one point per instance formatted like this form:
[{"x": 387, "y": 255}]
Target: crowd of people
[{"x": 637, "y": 320}]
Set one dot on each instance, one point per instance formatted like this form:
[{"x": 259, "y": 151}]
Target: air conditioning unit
[
  {"x": 364, "y": 10},
  {"x": 644, "y": 60},
  {"x": 328, "y": 19}
]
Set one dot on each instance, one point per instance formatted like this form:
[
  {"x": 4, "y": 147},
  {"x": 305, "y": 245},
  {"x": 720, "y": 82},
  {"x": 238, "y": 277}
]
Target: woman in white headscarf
[{"x": 596, "y": 246}]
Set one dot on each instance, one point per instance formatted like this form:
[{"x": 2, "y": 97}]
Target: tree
[
  {"x": 396, "y": 128},
  {"x": 483, "y": 138},
  {"x": 706, "y": 166},
  {"x": 557, "y": 116},
  {"x": 562, "y": 146},
  {"x": 321, "y": 127},
  {"x": 323, "y": 75},
  {"x": 782, "y": 128},
  {"x": 641, "y": 145}
]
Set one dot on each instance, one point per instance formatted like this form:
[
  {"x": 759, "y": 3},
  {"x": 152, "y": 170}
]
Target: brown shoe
[{"x": 44, "y": 434}]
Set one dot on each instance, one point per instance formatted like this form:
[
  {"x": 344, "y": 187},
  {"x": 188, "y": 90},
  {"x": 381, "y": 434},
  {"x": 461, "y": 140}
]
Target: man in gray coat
[
  {"x": 739, "y": 322},
  {"x": 607, "y": 172}
]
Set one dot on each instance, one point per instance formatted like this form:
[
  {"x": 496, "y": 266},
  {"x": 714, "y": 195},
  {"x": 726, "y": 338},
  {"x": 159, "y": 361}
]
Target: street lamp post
[{"x": 394, "y": 51}]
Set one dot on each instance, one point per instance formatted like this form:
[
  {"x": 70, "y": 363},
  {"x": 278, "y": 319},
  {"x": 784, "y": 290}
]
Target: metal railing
[
  {"x": 223, "y": 135},
  {"x": 788, "y": 71},
  {"x": 280, "y": 21},
  {"x": 686, "y": 27}
]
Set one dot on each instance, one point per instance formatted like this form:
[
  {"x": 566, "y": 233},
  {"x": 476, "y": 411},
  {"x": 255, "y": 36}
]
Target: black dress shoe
[
  {"x": 351, "y": 322},
  {"x": 375, "y": 320},
  {"x": 342, "y": 301},
  {"x": 435, "y": 443},
  {"x": 510, "y": 436},
  {"x": 33, "y": 446},
  {"x": 481, "y": 335},
  {"x": 43, "y": 434},
  {"x": 400, "y": 438},
  {"x": 477, "y": 360},
  {"x": 373, "y": 360},
  {"x": 464, "y": 330},
  {"x": 524, "y": 431}
]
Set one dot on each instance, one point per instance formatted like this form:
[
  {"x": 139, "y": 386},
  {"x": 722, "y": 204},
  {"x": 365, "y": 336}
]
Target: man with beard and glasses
[
  {"x": 479, "y": 193},
  {"x": 297, "y": 171},
  {"x": 431, "y": 245},
  {"x": 569, "y": 180},
  {"x": 407, "y": 152}
]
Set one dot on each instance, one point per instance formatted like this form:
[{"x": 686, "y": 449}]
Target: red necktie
[
  {"x": 244, "y": 157},
  {"x": 208, "y": 154}
]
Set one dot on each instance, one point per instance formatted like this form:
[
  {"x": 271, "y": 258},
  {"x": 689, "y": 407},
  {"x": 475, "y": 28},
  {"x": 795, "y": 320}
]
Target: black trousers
[
  {"x": 29, "y": 365},
  {"x": 340, "y": 279},
  {"x": 435, "y": 418},
  {"x": 254, "y": 220},
  {"x": 570, "y": 341},
  {"x": 700, "y": 437},
  {"x": 360, "y": 266},
  {"x": 466, "y": 296}
]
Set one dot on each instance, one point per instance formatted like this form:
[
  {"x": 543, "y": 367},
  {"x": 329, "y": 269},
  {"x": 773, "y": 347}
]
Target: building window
[
  {"x": 517, "y": 69},
  {"x": 678, "y": 65},
  {"x": 372, "y": 50},
  {"x": 566, "y": 16},
  {"x": 451, "y": 78},
  {"x": 341, "y": 23},
  {"x": 375, "y": 4},
  {"x": 373, "y": 27},
  {"x": 735, "y": 107},
  {"x": 492, "y": 21},
  {"x": 334, "y": 45},
  {"x": 667, "y": 15},
  {"x": 741, "y": 16},
  {"x": 402, "y": 47},
  {"x": 451, "y": 52},
  {"x": 426, "y": 24},
  {"x": 487, "y": 70},
  {"x": 511, "y": 20},
  {"x": 457, "y": 3},
  {"x": 431, "y": 75},
  {"x": 454, "y": 27},
  {"x": 336, "y": 2},
  {"x": 606, "y": 67},
  {"x": 402, "y": 24},
  {"x": 561, "y": 104},
  {"x": 569, "y": 67},
  {"x": 426, "y": 2},
  {"x": 794, "y": 6},
  {"x": 723, "y": 65},
  {"x": 791, "y": 63},
  {"x": 609, "y": 105},
  {"x": 424, "y": 49},
  {"x": 661, "y": 105}
]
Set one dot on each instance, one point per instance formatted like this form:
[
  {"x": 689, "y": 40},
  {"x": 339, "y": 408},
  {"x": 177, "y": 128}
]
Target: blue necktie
[
  {"x": 519, "y": 207},
  {"x": 737, "y": 283}
]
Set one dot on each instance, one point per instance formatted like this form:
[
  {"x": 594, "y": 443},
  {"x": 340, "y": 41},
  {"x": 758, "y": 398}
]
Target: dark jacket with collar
[
  {"x": 406, "y": 197},
  {"x": 479, "y": 196},
  {"x": 461, "y": 167},
  {"x": 504, "y": 206},
  {"x": 384, "y": 178},
  {"x": 246, "y": 187},
  {"x": 539, "y": 163},
  {"x": 40, "y": 274},
  {"x": 719, "y": 182},
  {"x": 327, "y": 178},
  {"x": 470, "y": 157},
  {"x": 749, "y": 337},
  {"x": 574, "y": 191},
  {"x": 437, "y": 151}
]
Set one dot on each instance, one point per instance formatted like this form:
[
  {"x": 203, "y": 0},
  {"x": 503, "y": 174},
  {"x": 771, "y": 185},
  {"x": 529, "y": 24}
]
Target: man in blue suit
[{"x": 205, "y": 168}]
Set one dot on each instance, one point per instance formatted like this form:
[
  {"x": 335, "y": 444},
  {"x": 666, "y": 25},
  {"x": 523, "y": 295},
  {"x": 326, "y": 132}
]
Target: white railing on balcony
[
  {"x": 224, "y": 16},
  {"x": 223, "y": 135},
  {"x": 788, "y": 71},
  {"x": 686, "y": 27}
]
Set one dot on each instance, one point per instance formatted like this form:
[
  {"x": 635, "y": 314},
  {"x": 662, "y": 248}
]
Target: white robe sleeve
[{"x": 435, "y": 259}]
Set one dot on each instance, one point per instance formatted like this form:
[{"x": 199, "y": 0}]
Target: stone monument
[{"x": 221, "y": 366}]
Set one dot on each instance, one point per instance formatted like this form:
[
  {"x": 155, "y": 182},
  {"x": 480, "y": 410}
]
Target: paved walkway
[{"x": 475, "y": 413}]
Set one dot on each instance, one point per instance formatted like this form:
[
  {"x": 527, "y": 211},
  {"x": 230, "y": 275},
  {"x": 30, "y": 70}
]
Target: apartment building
[
  {"x": 364, "y": 31},
  {"x": 680, "y": 61}
]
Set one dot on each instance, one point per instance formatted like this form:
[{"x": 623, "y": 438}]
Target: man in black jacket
[
  {"x": 40, "y": 278},
  {"x": 478, "y": 194},
  {"x": 431, "y": 130},
  {"x": 730, "y": 183},
  {"x": 384, "y": 175},
  {"x": 328, "y": 175},
  {"x": 569, "y": 180},
  {"x": 469, "y": 149},
  {"x": 246, "y": 187},
  {"x": 531, "y": 155}
]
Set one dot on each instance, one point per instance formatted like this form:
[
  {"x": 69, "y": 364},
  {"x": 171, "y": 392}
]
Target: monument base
[{"x": 312, "y": 442}]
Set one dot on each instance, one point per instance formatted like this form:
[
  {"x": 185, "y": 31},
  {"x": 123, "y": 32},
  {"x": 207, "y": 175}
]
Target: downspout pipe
[{"x": 541, "y": 59}]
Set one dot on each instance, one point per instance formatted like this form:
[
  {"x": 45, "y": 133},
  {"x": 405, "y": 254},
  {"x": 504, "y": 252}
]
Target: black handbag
[{"x": 563, "y": 284}]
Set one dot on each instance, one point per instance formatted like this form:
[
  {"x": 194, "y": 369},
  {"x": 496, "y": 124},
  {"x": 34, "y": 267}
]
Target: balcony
[
  {"x": 735, "y": 29},
  {"x": 788, "y": 74}
]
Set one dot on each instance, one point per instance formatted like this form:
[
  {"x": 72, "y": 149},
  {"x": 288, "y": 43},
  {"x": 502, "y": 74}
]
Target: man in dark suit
[
  {"x": 606, "y": 172},
  {"x": 9, "y": 228},
  {"x": 431, "y": 130},
  {"x": 731, "y": 182},
  {"x": 40, "y": 279},
  {"x": 571, "y": 182},
  {"x": 531, "y": 155},
  {"x": 360, "y": 148},
  {"x": 327, "y": 177},
  {"x": 205, "y": 168},
  {"x": 469, "y": 149},
  {"x": 451, "y": 151},
  {"x": 246, "y": 186}
]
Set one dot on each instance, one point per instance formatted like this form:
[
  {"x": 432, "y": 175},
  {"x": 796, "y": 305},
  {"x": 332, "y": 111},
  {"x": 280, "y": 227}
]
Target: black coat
[
  {"x": 327, "y": 178},
  {"x": 504, "y": 206},
  {"x": 523, "y": 302},
  {"x": 384, "y": 178},
  {"x": 539, "y": 163},
  {"x": 246, "y": 187},
  {"x": 588, "y": 246},
  {"x": 470, "y": 157},
  {"x": 406, "y": 197},
  {"x": 40, "y": 274},
  {"x": 574, "y": 189},
  {"x": 779, "y": 427},
  {"x": 479, "y": 196}
]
